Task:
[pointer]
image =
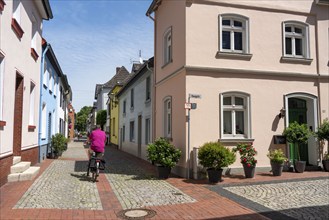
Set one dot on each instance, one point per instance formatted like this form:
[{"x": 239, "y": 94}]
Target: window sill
[
  {"x": 164, "y": 65},
  {"x": 233, "y": 55},
  {"x": 2, "y": 123},
  {"x": 17, "y": 28},
  {"x": 34, "y": 54},
  {"x": 148, "y": 101},
  {"x": 31, "y": 128},
  {"x": 2, "y": 5},
  {"x": 299, "y": 60},
  {"x": 236, "y": 140}
]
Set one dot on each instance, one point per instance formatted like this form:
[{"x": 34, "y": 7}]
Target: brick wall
[
  {"x": 5, "y": 164},
  {"x": 31, "y": 155}
]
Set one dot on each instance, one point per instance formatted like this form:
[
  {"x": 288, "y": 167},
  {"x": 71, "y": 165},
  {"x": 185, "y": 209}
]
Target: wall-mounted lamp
[{"x": 282, "y": 113}]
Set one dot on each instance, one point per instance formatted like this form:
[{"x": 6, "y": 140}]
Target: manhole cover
[{"x": 136, "y": 214}]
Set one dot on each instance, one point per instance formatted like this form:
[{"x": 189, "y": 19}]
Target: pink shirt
[{"x": 97, "y": 140}]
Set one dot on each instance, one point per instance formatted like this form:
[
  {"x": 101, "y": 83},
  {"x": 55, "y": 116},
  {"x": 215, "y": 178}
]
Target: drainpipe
[{"x": 40, "y": 102}]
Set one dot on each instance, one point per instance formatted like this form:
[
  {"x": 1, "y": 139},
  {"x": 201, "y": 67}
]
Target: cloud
[{"x": 89, "y": 51}]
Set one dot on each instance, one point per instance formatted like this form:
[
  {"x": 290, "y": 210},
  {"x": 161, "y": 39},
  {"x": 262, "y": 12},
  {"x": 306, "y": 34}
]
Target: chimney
[{"x": 118, "y": 68}]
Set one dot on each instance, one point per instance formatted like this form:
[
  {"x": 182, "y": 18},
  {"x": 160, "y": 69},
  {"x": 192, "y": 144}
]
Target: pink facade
[{"x": 247, "y": 60}]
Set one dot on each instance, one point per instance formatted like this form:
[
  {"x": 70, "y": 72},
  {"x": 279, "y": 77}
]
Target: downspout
[
  {"x": 154, "y": 82},
  {"x": 40, "y": 101}
]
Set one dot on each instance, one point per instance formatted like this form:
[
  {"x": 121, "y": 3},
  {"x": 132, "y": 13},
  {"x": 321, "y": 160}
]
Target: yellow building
[{"x": 114, "y": 115}]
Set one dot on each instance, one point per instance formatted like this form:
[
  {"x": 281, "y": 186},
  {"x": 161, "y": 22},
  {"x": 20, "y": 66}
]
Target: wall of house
[
  {"x": 175, "y": 19},
  {"x": 17, "y": 58},
  {"x": 114, "y": 107},
  {"x": 141, "y": 108}
]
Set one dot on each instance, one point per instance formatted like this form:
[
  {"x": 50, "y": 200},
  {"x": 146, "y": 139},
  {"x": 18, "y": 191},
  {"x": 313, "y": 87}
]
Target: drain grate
[{"x": 136, "y": 214}]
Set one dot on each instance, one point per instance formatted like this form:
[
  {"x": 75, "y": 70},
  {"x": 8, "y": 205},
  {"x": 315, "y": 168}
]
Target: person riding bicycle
[{"x": 97, "y": 140}]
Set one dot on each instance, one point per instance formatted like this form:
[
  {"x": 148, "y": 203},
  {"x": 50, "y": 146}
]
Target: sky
[{"x": 91, "y": 38}]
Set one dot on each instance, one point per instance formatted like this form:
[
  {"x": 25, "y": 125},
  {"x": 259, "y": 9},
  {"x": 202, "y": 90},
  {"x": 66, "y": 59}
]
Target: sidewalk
[{"x": 63, "y": 191}]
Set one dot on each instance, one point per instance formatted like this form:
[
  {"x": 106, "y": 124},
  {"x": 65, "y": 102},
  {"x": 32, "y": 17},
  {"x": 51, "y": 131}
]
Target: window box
[
  {"x": 2, "y": 123},
  {"x": 2, "y": 5},
  {"x": 17, "y": 28},
  {"x": 34, "y": 54},
  {"x": 31, "y": 128}
]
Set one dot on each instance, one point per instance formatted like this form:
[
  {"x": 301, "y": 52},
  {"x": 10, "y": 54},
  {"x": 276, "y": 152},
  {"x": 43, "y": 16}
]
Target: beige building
[
  {"x": 249, "y": 61},
  {"x": 20, "y": 62}
]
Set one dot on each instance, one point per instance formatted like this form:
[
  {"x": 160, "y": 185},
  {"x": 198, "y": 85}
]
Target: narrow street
[{"x": 63, "y": 191}]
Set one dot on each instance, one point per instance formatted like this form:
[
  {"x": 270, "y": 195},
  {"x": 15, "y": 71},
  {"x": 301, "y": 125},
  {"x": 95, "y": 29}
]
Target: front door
[{"x": 298, "y": 113}]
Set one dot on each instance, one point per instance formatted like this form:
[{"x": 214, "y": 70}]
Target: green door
[{"x": 298, "y": 113}]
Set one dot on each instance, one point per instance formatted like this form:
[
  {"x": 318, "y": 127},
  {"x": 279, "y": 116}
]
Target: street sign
[
  {"x": 195, "y": 96},
  {"x": 188, "y": 105}
]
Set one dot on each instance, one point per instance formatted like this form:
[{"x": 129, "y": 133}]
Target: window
[
  {"x": 32, "y": 98},
  {"x": 234, "y": 33},
  {"x": 167, "y": 118},
  {"x": 2, "y": 71},
  {"x": 55, "y": 85},
  {"x": 132, "y": 99},
  {"x": 148, "y": 89},
  {"x": 147, "y": 131},
  {"x": 50, "y": 82},
  {"x": 296, "y": 40},
  {"x": 124, "y": 107},
  {"x": 34, "y": 33},
  {"x": 17, "y": 11},
  {"x": 60, "y": 97},
  {"x": 132, "y": 131},
  {"x": 235, "y": 115},
  {"x": 45, "y": 74},
  {"x": 44, "y": 121},
  {"x": 167, "y": 46}
]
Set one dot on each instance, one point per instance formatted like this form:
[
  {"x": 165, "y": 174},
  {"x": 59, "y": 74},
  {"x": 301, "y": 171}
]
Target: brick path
[{"x": 204, "y": 203}]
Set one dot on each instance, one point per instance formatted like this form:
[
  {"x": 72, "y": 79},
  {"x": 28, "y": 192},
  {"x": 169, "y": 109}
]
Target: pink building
[{"x": 249, "y": 61}]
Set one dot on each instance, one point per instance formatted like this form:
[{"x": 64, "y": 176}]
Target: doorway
[{"x": 18, "y": 115}]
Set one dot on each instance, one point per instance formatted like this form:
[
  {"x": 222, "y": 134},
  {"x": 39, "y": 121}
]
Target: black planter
[
  {"x": 300, "y": 166},
  {"x": 249, "y": 172},
  {"x": 214, "y": 175},
  {"x": 163, "y": 172},
  {"x": 277, "y": 168},
  {"x": 325, "y": 164}
]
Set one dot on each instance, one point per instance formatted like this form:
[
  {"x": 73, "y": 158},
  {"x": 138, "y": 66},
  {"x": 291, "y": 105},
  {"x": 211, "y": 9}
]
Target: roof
[
  {"x": 121, "y": 74},
  {"x": 52, "y": 57},
  {"x": 154, "y": 5},
  {"x": 134, "y": 77},
  {"x": 44, "y": 9}
]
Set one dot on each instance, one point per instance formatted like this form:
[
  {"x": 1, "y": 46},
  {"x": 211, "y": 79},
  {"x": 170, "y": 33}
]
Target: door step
[{"x": 28, "y": 174}]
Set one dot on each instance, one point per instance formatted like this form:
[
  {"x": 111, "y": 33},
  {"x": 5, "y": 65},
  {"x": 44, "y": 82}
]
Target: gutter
[{"x": 40, "y": 101}]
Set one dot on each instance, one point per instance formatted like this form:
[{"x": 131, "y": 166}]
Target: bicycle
[{"x": 95, "y": 164}]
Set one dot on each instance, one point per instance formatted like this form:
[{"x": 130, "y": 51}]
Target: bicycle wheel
[
  {"x": 96, "y": 172},
  {"x": 88, "y": 168}
]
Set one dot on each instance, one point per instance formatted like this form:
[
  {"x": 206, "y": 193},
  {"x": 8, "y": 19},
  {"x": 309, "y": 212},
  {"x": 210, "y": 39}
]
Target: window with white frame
[
  {"x": 44, "y": 121},
  {"x": 34, "y": 33},
  {"x": 147, "y": 130},
  {"x": 148, "y": 88},
  {"x": 167, "y": 46},
  {"x": 235, "y": 115},
  {"x": 167, "y": 117},
  {"x": 45, "y": 74},
  {"x": 2, "y": 71},
  {"x": 296, "y": 39},
  {"x": 132, "y": 131},
  {"x": 32, "y": 101},
  {"x": 233, "y": 33},
  {"x": 132, "y": 99},
  {"x": 17, "y": 10}
]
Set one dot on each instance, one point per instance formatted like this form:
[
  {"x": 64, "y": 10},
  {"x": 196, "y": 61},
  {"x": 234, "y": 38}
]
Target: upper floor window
[
  {"x": 235, "y": 115},
  {"x": 45, "y": 74},
  {"x": 233, "y": 33},
  {"x": 2, "y": 70},
  {"x": 124, "y": 107},
  {"x": 17, "y": 11},
  {"x": 60, "y": 97},
  {"x": 34, "y": 33},
  {"x": 50, "y": 82},
  {"x": 296, "y": 39},
  {"x": 167, "y": 118},
  {"x": 148, "y": 88},
  {"x": 167, "y": 46},
  {"x": 132, "y": 99}
]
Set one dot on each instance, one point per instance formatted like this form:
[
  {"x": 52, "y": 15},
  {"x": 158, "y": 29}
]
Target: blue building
[{"x": 51, "y": 75}]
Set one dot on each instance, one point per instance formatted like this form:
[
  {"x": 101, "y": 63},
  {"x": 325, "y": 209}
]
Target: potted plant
[
  {"x": 277, "y": 159},
  {"x": 323, "y": 135},
  {"x": 214, "y": 157},
  {"x": 297, "y": 134},
  {"x": 247, "y": 158},
  {"x": 59, "y": 144},
  {"x": 164, "y": 155}
]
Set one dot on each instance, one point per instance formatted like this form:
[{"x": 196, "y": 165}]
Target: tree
[
  {"x": 81, "y": 119},
  {"x": 101, "y": 118}
]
